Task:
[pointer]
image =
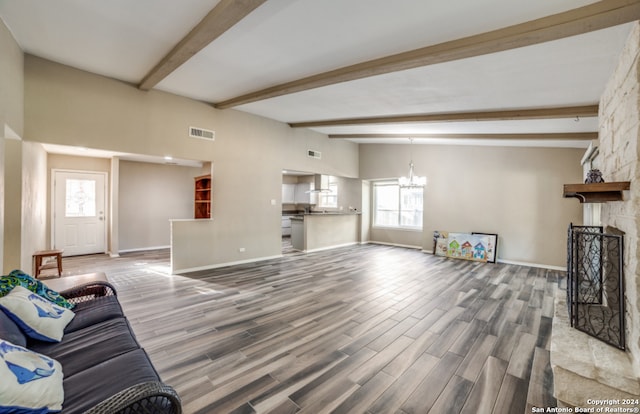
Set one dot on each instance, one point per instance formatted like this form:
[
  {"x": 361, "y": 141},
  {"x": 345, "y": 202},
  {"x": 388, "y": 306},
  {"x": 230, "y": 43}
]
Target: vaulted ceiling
[{"x": 519, "y": 72}]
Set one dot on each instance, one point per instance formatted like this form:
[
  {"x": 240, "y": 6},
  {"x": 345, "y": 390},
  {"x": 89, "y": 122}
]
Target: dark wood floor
[{"x": 363, "y": 329}]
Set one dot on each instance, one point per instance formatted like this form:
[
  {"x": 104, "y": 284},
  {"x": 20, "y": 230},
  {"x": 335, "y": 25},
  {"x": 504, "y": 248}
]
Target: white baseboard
[
  {"x": 512, "y": 262},
  {"x": 542, "y": 266},
  {"x": 408, "y": 246},
  {"x": 143, "y": 249},
  {"x": 218, "y": 265},
  {"x": 331, "y": 247}
]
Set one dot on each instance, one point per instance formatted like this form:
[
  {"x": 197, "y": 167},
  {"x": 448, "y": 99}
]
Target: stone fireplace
[{"x": 585, "y": 368}]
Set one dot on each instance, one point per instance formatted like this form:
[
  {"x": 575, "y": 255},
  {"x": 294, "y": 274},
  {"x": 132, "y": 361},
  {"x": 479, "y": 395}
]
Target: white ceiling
[{"x": 285, "y": 40}]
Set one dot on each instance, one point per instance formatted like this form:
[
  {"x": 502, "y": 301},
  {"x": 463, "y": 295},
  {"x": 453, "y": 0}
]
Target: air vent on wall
[
  {"x": 314, "y": 154},
  {"x": 202, "y": 133}
]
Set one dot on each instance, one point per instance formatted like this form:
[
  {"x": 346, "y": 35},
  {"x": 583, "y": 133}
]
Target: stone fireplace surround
[{"x": 585, "y": 369}]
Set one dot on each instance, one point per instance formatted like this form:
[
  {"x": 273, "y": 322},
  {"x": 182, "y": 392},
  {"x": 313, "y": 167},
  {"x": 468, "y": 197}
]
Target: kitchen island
[{"x": 319, "y": 231}]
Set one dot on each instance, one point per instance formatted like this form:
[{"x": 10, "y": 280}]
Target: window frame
[
  {"x": 333, "y": 193},
  {"x": 398, "y": 226}
]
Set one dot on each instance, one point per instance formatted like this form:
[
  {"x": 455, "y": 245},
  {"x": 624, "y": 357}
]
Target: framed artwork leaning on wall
[{"x": 492, "y": 248}]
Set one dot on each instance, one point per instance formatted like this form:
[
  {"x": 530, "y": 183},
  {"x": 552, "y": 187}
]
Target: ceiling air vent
[
  {"x": 314, "y": 154},
  {"x": 202, "y": 133}
]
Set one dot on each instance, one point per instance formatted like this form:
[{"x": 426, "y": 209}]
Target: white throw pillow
[
  {"x": 31, "y": 382},
  {"x": 36, "y": 316}
]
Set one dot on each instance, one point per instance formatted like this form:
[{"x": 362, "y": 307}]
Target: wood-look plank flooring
[{"x": 361, "y": 329}]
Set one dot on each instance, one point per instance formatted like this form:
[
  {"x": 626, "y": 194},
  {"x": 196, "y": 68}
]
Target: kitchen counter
[
  {"x": 330, "y": 213},
  {"x": 319, "y": 231}
]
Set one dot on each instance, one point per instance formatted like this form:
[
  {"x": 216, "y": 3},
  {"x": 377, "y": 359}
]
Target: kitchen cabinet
[
  {"x": 286, "y": 225},
  {"x": 297, "y": 234},
  {"x": 288, "y": 193}
]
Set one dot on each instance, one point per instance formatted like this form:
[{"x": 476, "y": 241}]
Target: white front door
[{"x": 79, "y": 225}]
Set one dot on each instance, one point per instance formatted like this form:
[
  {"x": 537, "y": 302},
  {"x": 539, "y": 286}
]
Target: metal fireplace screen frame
[{"x": 595, "y": 283}]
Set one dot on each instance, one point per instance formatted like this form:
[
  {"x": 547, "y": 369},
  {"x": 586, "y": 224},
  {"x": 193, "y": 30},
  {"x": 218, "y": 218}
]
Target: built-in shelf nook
[
  {"x": 202, "y": 197},
  {"x": 596, "y": 192}
]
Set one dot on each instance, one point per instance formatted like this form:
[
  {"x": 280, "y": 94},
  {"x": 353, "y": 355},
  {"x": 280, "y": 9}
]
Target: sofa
[{"x": 103, "y": 367}]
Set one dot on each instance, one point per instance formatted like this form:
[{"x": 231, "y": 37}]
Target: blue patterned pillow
[
  {"x": 31, "y": 382},
  {"x": 20, "y": 278},
  {"x": 36, "y": 316}
]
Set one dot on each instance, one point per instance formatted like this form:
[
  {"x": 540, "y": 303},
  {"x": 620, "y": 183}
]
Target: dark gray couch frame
[{"x": 97, "y": 306}]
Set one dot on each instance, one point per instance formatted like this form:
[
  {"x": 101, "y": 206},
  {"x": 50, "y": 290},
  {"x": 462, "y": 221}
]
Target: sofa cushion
[
  {"x": 94, "y": 311},
  {"x": 36, "y": 316},
  {"x": 95, "y": 384},
  {"x": 20, "y": 278},
  {"x": 92, "y": 345},
  {"x": 31, "y": 382},
  {"x": 10, "y": 331}
]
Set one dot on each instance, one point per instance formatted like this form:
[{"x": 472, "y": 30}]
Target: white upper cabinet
[{"x": 288, "y": 193}]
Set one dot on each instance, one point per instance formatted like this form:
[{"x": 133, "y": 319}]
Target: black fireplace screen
[{"x": 595, "y": 286}]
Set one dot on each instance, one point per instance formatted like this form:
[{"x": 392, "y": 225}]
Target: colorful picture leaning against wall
[
  {"x": 440, "y": 242},
  {"x": 492, "y": 248},
  {"x": 468, "y": 246}
]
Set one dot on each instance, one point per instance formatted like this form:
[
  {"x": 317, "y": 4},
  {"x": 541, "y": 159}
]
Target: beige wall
[
  {"x": 11, "y": 125},
  {"x": 150, "y": 195},
  {"x": 396, "y": 237},
  {"x": 25, "y": 192},
  {"x": 12, "y": 205},
  {"x": 11, "y": 82},
  {"x": 71, "y": 107},
  {"x": 34, "y": 202},
  {"x": 323, "y": 231},
  {"x": 365, "y": 218},
  {"x": 349, "y": 195},
  {"x": 25, "y": 208},
  {"x": 515, "y": 192},
  {"x": 102, "y": 113},
  {"x": 71, "y": 162}
]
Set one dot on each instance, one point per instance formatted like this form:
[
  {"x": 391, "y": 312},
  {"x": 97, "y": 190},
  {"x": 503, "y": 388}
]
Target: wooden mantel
[{"x": 596, "y": 192}]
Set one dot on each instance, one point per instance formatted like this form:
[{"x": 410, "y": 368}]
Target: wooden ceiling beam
[
  {"x": 504, "y": 115},
  {"x": 220, "y": 19},
  {"x": 596, "y": 16},
  {"x": 561, "y": 136}
]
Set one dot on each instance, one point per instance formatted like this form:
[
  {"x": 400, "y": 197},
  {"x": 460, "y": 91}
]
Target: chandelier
[{"x": 412, "y": 180}]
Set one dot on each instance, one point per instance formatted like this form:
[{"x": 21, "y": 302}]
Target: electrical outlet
[{"x": 241, "y": 249}]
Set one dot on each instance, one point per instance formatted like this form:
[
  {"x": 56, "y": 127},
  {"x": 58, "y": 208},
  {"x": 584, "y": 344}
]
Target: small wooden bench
[{"x": 39, "y": 266}]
